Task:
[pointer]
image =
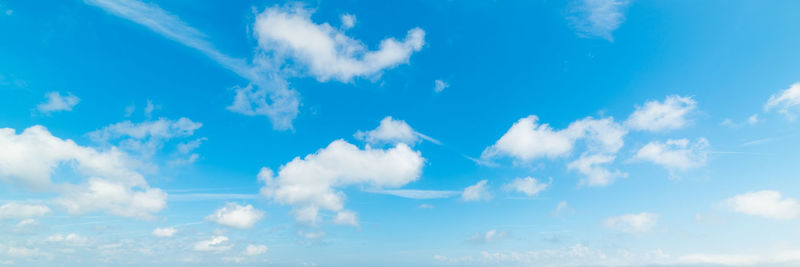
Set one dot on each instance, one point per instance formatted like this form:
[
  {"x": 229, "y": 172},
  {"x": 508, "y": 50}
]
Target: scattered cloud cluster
[
  {"x": 489, "y": 236},
  {"x": 477, "y": 192},
  {"x": 658, "y": 116},
  {"x": 785, "y": 102},
  {"x": 675, "y": 154},
  {"x": 16, "y": 210}
]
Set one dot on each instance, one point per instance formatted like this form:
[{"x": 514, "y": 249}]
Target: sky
[{"x": 400, "y": 133}]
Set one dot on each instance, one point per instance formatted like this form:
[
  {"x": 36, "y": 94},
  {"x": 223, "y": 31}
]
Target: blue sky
[{"x": 415, "y": 133}]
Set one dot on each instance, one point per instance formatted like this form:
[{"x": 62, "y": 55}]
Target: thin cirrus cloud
[
  {"x": 598, "y": 18},
  {"x": 56, "y": 102},
  {"x": 786, "y": 101},
  {"x": 393, "y": 131},
  {"x": 766, "y": 203},
  {"x": 633, "y": 223},
  {"x": 284, "y": 33}
]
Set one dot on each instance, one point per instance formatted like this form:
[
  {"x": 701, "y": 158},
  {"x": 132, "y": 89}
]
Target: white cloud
[
  {"x": 69, "y": 239},
  {"x": 15, "y": 210},
  {"x": 476, "y": 192},
  {"x": 311, "y": 235},
  {"x": 267, "y": 94},
  {"x": 753, "y": 119},
  {"x": 561, "y": 208},
  {"x": 675, "y": 154},
  {"x": 785, "y": 102},
  {"x": 149, "y": 108},
  {"x": 598, "y": 18},
  {"x": 425, "y": 206},
  {"x": 488, "y": 237},
  {"x": 633, "y": 223},
  {"x": 57, "y": 102},
  {"x": 595, "y": 175},
  {"x": 766, "y": 203},
  {"x": 392, "y": 131},
  {"x": 417, "y": 194},
  {"x": 439, "y": 86},
  {"x": 528, "y": 186},
  {"x": 527, "y": 140},
  {"x": 113, "y": 197},
  {"x": 236, "y": 216},
  {"x": 326, "y": 52},
  {"x": 253, "y": 250},
  {"x": 165, "y": 232},
  {"x": 148, "y": 137},
  {"x": 346, "y": 217},
  {"x": 657, "y": 116},
  {"x": 215, "y": 244},
  {"x": 348, "y": 21},
  {"x": 311, "y": 183}
]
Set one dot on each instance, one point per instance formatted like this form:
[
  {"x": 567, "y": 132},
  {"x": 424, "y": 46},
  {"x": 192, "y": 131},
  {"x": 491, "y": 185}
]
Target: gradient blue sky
[{"x": 407, "y": 133}]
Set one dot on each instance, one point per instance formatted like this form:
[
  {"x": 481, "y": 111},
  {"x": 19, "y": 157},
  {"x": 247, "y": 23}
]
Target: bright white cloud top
[
  {"x": 767, "y": 203},
  {"x": 786, "y": 101},
  {"x": 675, "y": 154},
  {"x": 658, "y": 116},
  {"x": 236, "y": 216}
]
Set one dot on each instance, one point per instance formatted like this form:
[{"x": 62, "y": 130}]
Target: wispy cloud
[{"x": 417, "y": 194}]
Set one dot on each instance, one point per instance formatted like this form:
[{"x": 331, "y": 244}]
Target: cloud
[
  {"x": 657, "y": 116},
  {"x": 165, "y": 232},
  {"x": 598, "y": 18},
  {"x": 253, "y": 250},
  {"x": 417, "y": 194},
  {"x": 561, "y": 208},
  {"x": 113, "y": 197},
  {"x": 476, "y": 192},
  {"x": 56, "y": 102},
  {"x": 595, "y": 175},
  {"x": 326, "y": 52},
  {"x": 633, "y": 223},
  {"x": 147, "y": 137},
  {"x": 489, "y": 237},
  {"x": 346, "y": 217},
  {"x": 72, "y": 239},
  {"x": 348, "y": 21},
  {"x": 114, "y": 185},
  {"x": 311, "y": 183},
  {"x": 425, "y": 206},
  {"x": 528, "y": 186},
  {"x": 766, "y": 203},
  {"x": 266, "y": 95},
  {"x": 16, "y": 210},
  {"x": 675, "y": 154},
  {"x": 785, "y": 102},
  {"x": 392, "y": 131},
  {"x": 439, "y": 86},
  {"x": 215, "y": 244},
  {"x": 527, "y": 140},
  {"x": 236, "y": 216}
]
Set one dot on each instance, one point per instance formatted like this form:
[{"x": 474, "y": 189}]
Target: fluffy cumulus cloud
[
  {"x": 165, "y": 232},
  {"x": 215, "y": 244},
  {"x": 57, "y": 102},
  {"x": 528, "y": 140},
  {"x": 785, "y": 102},
  {"x": 675, "y": 154},
  {"x": 477, "y": 192},
  {"x": 326, "y": 52},
  {"x": 528, "y": 186},
  {"x": 633, "y": 223},
  {"x": 312, "y": 183},
  {"x": 16, "y": 210},
  {"x": 598, "y": 18},
  {"x": 657, "y": 116},
  {"x": 114, "y": 185},
  {"x": 766, "y": 203},
  {"x": 236, "y": 216}
]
